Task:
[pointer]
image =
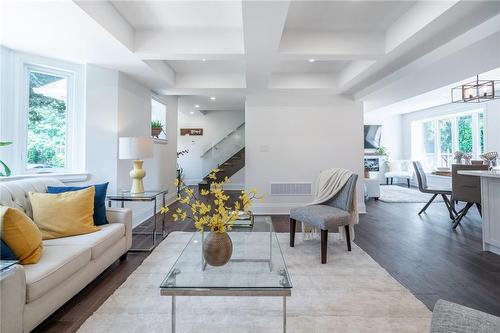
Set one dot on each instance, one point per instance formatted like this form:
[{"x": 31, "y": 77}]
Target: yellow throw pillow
[
  {"x": 21, "y": 235},
  {"x": 64, "y": 214}
]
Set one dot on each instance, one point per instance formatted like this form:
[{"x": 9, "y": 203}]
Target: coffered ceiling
[{"x": 238, "y": 48}]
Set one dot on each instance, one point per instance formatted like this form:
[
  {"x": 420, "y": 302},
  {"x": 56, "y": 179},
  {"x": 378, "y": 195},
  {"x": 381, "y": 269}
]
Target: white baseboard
[
  {"x": 192, "y": 182},
  {"x": 234, "y": 187}
]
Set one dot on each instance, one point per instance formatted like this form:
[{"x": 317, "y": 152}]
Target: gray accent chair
[
  {"x": 424, "y": 188},
  {"x": 330, "y": 215},
  {"x": 449, "y": 317}
]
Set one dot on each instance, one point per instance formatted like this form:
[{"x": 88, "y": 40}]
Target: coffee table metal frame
[{"x": 225, "y": 291}]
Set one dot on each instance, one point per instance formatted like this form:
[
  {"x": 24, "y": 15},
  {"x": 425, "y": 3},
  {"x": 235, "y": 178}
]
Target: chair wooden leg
[
  {"x": 293, "y": 224},
  {"x": 427, "y": 204},
  {"x": 324, "y": 245},
  {"x": 408, "y": 182},
  {"x": 392, "y": 180},
  {"x": 347, "y": 237},
  {"x": 387, "y": 181}
]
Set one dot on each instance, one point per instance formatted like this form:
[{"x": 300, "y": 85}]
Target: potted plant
[
  {"x": 211, "y": 210},
  {"x": 6, "y": 171},
  {"x": 156, "y": 128}
]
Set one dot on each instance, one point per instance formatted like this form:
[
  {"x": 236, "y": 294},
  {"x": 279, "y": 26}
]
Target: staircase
[
  {"x": 227, "y": 155},
  {"x": 228, "y": 168}
]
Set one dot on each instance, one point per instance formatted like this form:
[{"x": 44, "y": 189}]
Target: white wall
[
  {"x": 293, "y": 138},
  {"x": 216, "y": 125},
  {"x": 101, "y": 125}
]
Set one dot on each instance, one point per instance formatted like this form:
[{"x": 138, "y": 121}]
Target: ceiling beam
[
  {"x": 347, "y": 45},
  {"x": 196, "y": 44},
  {"x": 452, "y": 21},
  {"x": 108, "y": 17},
  {"x": 263, "y": 24}
]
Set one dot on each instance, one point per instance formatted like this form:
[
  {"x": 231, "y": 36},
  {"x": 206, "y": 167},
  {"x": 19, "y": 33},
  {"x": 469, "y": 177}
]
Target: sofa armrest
[
  {"x": 122, "y": 215},
  {"x": 450, "y": 317},
  {"x": 12, "y": 299}
]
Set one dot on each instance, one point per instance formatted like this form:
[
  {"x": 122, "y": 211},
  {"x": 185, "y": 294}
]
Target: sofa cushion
[
  {"x": 21, "y": 235},
  {"x": 99, "y": 199},
  {"x": 64, "y": 214},
  {"x": 98, "y": 241},
  {"x": 56, "y": 265}
]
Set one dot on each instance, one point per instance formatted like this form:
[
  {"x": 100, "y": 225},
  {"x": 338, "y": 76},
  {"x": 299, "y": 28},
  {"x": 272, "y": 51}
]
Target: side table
[{"x": 147, "y": 196}]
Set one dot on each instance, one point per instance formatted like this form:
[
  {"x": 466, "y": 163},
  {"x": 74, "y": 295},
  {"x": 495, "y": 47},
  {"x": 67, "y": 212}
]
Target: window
[
  {"x": 435, "y": 140},
  {"x": 47, "y": 125},
  {"x": 158, "y": 118},
  {"x": 42, "y": 114}
]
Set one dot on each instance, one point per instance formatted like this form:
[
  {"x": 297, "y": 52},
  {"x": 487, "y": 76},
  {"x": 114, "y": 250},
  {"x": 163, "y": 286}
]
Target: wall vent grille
[{"x": 291, "y": 188}]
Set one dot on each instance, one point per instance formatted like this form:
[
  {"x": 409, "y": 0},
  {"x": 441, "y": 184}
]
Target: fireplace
[{"x": 372, "y": 164}]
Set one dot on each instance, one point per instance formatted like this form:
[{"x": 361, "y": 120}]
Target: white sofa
[{"x": 31, "y": 293}]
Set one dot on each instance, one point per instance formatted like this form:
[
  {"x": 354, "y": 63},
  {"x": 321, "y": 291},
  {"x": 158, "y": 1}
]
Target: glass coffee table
[{"x": 256, "y": 268}]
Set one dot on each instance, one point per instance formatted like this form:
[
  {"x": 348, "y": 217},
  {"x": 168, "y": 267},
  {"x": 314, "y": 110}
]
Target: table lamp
[{"x": 136, "y": 149}]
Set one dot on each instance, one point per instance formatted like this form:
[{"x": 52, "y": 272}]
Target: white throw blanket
[{"x": 328, "y": 184}]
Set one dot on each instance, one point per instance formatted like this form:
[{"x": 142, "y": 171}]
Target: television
[{"x": 372, "y": 136}]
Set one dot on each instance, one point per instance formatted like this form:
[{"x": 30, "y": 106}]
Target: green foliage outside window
[
  {"x": 429, "y": 137},
  {"x": 46, "y": 125},
  {"x": 446, "y": 136},
  {"x": 465, "y": 134}
]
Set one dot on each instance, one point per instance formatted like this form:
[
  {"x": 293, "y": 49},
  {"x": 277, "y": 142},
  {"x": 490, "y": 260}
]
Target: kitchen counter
[{"x": 490, "y": 201}]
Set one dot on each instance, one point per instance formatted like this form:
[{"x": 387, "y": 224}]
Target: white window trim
[
  {"x": 15, "y": 128},
  {"x": 454, "y": 124}
]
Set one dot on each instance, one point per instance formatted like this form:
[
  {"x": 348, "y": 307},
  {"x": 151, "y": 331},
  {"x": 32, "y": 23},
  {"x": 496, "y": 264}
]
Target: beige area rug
[
  {"x": 351, "y": 293},
  {"x": 393, "y": 193}
]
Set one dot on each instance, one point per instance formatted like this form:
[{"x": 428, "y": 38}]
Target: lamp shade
[{"x": 135, "y": 148}]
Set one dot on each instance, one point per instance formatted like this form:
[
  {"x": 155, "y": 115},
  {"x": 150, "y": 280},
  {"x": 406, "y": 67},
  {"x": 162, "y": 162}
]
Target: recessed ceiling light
[
  {"x": 311, "y": 60},
  {"x": 213, "y": 98},
  {"x": 196, "y": 106},
  {"x": 192, "y": 112},
  {"x": 203, "y": 59}
]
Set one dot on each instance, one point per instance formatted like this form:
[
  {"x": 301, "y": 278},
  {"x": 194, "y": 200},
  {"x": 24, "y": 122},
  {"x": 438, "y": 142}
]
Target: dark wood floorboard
[{"x": 422, "y": 252}]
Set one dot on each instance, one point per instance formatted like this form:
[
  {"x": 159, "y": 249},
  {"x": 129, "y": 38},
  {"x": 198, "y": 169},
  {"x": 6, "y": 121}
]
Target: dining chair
[
  {"x": 466, "y": 189},
  {"x": 435, "y": 191}
]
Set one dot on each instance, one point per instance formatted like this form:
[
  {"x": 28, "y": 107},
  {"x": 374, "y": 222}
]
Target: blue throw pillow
[
  {"x": 6, "y": 253},
  {"x": 99, "y": 199}
]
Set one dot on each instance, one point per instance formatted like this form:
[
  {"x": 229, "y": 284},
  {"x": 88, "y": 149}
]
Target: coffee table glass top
[
  {"x": 127, "y": 196},
  {"x": 257, "y": 263}
]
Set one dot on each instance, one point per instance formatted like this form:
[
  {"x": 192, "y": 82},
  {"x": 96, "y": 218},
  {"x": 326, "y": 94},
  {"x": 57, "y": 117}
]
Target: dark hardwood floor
[{"x": 422, "y": 252}]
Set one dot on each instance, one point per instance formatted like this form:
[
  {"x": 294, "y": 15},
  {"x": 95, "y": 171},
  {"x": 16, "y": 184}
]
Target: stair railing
[{"x": 223, "y": 149}]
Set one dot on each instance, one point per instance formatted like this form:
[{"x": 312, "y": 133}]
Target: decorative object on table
[
  {"x": 211, "y": 210},
  {"x": 6, "y": 171},
  {"x": 244, "y": 220},
  {"x": 458, "y": 156},
  {"x": 467, "y": 158},
  {"x": 490, "y": 158},
  {"x": 156, "y": 128},
  {"x": 136, "y": 149},
  {"x": 367, "y": 172},
  {"x": 476, "y": 92},
  {"x": 192, "y": 131}
]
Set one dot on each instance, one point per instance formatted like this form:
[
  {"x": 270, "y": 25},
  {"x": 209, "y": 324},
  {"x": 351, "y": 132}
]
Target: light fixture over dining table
[{"x": 476, "y": 92}]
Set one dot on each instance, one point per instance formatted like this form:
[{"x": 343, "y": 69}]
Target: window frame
[
  {"x": 22, "y": 63},
  {"x": 453, "y": 117}
]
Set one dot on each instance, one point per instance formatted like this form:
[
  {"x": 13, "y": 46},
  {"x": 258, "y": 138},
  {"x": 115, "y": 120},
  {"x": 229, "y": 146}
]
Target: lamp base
[{"x": 137, "y": 174}]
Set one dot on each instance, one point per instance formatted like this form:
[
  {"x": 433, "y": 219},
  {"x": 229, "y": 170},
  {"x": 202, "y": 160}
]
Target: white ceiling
[
  {"x": 181, "y": 14},
  {"x": 253, "y": 47},
  {"x": 344, "y": 15}
]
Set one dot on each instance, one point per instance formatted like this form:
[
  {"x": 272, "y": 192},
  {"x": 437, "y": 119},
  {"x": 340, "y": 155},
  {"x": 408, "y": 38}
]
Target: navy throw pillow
[
  {"x": 6, "y": 253},
  {"x": 99, "y": 199}
]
